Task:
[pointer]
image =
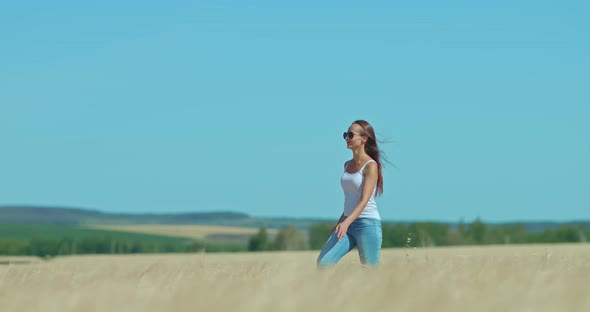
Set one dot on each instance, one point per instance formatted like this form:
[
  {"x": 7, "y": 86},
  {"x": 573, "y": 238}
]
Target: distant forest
[{"x": 429, "y": 234}]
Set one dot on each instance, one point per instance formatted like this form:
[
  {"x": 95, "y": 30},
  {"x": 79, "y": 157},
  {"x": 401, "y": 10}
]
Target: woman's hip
[{"x": 365, "y": 226}]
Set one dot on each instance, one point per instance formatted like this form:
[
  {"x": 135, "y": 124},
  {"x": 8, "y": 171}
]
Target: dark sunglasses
[{"x": 349, "y": 134}]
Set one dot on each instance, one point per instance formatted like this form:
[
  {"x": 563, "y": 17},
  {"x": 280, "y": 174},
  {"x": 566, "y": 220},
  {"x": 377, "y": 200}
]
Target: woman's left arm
[{"x": 371, "y": 175}]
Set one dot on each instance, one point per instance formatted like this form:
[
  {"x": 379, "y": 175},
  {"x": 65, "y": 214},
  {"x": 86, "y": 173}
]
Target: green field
[
  {"x": 51, "y": 240},
  {"x": 26, "y": 232}
]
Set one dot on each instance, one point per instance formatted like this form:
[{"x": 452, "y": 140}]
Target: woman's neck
[{"x": 359, "y": 155}]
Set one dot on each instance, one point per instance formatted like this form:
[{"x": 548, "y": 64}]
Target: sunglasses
[{"x": 349, "y": 135}]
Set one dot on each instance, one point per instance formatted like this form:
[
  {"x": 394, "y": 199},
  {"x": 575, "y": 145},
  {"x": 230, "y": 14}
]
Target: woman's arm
[
  {"x": 342, "y": 215},
  {"x": 339, "y": 220},
  {"x": 371, "y": 174}
]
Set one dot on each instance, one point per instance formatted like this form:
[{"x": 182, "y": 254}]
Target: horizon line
[{"x": 327, "y": 219}]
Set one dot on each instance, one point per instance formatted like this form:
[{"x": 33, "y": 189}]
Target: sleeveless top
[{"x": 352, "y": 184}]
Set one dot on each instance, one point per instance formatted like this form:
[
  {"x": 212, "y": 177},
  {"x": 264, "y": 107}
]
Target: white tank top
[{"x": 352, "y": 184}]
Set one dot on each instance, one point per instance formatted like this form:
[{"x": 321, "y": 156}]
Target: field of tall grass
[{"x": 491, "y": 278}]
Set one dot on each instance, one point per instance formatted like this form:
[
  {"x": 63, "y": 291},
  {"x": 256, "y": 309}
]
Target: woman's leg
[
  {"x": 335, "y": 249},
  {"x": 369, "y": 237}
]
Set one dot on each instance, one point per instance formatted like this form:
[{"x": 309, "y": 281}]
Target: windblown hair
[{"x": 372, "y": 149}]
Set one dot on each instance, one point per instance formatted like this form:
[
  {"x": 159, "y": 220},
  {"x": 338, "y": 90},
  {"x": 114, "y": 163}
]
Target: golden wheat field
[{"x": 493, "y": 278}]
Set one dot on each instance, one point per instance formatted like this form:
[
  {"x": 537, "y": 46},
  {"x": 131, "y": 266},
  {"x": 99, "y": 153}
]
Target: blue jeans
[{"x": 363, "y": 233}]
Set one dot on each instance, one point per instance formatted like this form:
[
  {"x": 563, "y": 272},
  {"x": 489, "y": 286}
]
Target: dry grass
[
  {"x": 496, "y": 278},
  {"x": 190, "y": 231},
  {"x": 6, "y": 260}
]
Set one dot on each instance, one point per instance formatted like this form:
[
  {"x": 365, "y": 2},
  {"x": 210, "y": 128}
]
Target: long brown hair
[{"x": 372, "y": 149}]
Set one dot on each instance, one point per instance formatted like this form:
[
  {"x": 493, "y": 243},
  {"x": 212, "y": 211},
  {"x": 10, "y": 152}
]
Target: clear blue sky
[{"x": 182, "y": 106}]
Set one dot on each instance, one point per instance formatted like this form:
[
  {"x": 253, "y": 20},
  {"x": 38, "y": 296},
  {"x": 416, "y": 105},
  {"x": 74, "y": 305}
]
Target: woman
[{"x": 360, "y": 223}]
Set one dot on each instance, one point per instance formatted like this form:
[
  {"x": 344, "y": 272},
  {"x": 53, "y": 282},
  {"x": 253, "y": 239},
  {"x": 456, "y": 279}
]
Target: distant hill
[{"x": 73, "y": 216}]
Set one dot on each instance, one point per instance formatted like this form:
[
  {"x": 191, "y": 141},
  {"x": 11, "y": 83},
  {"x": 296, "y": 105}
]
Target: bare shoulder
[{"x": 371, "y": 168}]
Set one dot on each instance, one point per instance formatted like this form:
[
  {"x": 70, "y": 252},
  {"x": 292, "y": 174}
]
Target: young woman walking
[{"x": 360, "y": 223}]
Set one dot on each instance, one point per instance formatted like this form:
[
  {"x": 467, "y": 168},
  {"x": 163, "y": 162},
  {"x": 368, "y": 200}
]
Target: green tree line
[
  {"x": 288, "y": 238},
  {"x": 428, "y": 234},
  {"x": 424, "y": 234}
]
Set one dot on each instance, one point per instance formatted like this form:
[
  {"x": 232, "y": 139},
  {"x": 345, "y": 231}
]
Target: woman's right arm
[
  {"x": 342, "y": 216},
  {"x": 339, "y": 220}
]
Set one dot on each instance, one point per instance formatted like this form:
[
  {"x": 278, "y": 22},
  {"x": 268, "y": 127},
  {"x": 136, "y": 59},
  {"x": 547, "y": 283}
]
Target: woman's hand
[{"x": 341, "y": 229}]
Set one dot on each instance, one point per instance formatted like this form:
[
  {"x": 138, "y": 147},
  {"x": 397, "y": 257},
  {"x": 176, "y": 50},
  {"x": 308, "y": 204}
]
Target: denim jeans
[{"x": 363, "y": 233}]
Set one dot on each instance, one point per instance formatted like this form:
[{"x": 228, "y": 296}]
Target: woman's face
[{"x": 356, "y": 140}]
